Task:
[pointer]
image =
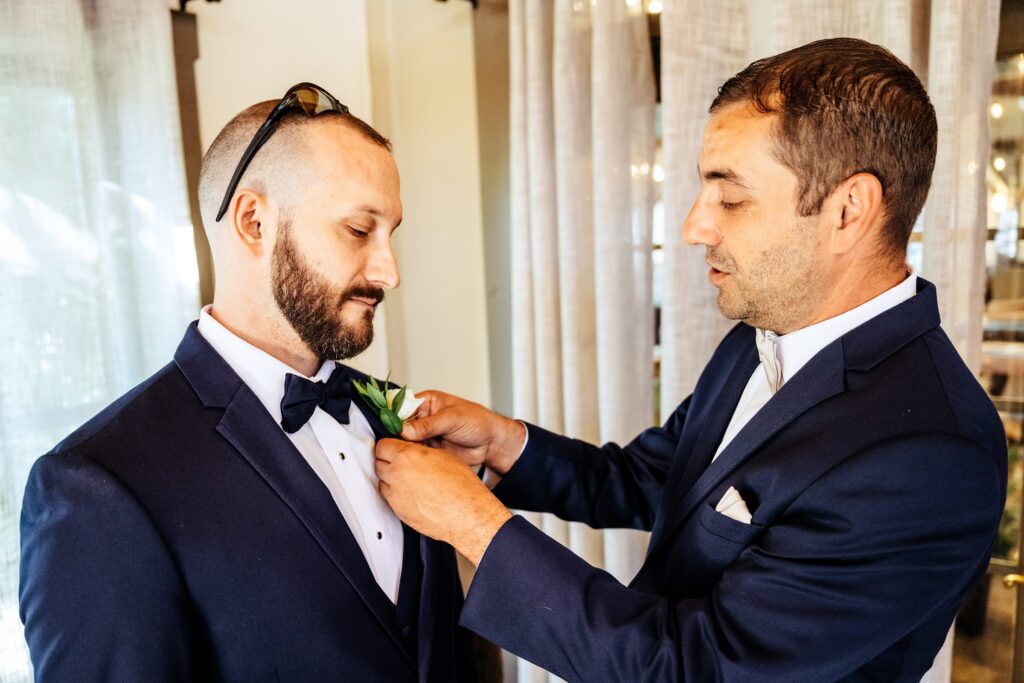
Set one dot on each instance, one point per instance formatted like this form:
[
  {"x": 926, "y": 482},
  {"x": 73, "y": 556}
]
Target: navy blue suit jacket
[
  {"x": 180, "y": 536},
  {"x": 876, "y": 477}
]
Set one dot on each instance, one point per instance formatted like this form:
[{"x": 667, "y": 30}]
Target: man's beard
[{"x": 312, "y": 305}]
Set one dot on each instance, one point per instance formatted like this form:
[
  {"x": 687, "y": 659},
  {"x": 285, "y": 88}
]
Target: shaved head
[
  {"x": 303, "y": 254},
  {"x": 278, "y": 168}
]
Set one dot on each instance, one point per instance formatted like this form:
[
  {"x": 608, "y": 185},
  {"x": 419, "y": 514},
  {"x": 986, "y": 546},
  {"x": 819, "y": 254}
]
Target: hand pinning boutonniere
[{"x": 393, "y": 406}]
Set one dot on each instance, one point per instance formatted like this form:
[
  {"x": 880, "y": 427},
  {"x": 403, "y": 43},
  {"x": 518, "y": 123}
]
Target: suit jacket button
[{"x": 406, "y": 631}]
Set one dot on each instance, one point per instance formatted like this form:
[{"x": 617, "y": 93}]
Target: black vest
[{"x": 407, "y": 610}]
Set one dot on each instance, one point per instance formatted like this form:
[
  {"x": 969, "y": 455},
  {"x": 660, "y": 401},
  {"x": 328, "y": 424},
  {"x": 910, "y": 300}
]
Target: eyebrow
[
  {"x": 377, "y": 213},
  {"x": 725, "y": 174}
]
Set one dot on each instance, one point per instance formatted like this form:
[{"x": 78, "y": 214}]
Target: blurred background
[{"x": 547, "y": 152}]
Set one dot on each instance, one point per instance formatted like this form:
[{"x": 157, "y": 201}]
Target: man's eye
[
  {"x": 357, "y": 232},
  {"x": 731, "y": 206}
]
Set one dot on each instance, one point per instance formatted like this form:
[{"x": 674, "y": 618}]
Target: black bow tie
[{"x": 301, "y": 398}]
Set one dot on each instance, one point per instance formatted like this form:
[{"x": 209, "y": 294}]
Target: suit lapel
[
  {"x": 249, "y": 428},
  {"x": 714, "y": 418},
  {"x": 822, "y": 378}
]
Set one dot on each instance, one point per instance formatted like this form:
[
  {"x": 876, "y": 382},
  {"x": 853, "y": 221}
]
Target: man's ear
[
  {"x": 857, "y": 211},
  {"x": 246, "y": 214}
]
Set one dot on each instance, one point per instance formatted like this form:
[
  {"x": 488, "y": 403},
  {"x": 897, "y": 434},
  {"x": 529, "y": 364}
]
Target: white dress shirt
[
  {"x": 793, "y": 350},
  {"x": 341, "y": 455}
]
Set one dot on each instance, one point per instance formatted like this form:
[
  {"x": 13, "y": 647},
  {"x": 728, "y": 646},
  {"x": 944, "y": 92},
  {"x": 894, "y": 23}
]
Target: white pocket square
[{"x": 733, "y": 507}]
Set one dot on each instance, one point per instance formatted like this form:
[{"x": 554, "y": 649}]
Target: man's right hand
[{"x": 473, "y": 433}]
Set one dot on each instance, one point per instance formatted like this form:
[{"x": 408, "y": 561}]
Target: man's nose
[
  {"x": 382, "y": 267},
  {"x": 699, "y": 226}
]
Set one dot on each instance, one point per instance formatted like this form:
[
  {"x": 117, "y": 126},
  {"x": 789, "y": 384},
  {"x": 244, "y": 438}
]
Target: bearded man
[{"x": 221, "y": 521}]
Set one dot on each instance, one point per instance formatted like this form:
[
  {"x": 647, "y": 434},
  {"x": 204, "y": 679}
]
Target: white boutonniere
[{"x": 393, "y": 406}]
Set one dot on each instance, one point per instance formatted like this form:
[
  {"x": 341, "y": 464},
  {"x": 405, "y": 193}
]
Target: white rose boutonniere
[{"x": 393, "y": 406}]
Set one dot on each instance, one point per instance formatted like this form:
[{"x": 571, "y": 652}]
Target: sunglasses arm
[{"x": 258, "y": 140}]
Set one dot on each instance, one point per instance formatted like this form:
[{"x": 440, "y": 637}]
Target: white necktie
[
  {"x": 768, "y": 350},
  {"x": 756, "y": 394}
]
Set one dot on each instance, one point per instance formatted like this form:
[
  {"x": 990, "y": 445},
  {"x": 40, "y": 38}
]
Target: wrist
[
  {"x": 474, "y": 540},
  {"x": 510, "y": 447}
]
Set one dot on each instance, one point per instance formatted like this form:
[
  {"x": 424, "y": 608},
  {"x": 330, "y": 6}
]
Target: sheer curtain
[
  {"x": 97, "y": 263},
  {"x": 951, "y": 46},
  {"x": 582, "y": 149}
]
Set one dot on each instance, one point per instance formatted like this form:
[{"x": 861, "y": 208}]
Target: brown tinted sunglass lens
[
  {"x": 324, "y": 103},
  {"x": 311, "y": 101}
]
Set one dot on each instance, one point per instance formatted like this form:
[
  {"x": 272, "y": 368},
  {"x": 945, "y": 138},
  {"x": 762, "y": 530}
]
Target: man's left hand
[{"x": 432, "y": 491}]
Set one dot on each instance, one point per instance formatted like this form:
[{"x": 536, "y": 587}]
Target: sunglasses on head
[{"x": 308, "y": 98}]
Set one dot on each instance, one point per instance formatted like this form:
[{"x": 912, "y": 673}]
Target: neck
[
  {"x": 853, "y": 288},
  {"x": 275, "y": 338}
]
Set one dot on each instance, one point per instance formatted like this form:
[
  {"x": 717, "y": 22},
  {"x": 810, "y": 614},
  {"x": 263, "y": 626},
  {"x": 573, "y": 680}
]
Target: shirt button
[
  {"x": 379, "y": 535},
  {"x": 341, "y": 455}
]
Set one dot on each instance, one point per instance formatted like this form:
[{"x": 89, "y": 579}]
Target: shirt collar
[
  {"x": 796, "y": 348},
  {"x": 263, "y": 373}
]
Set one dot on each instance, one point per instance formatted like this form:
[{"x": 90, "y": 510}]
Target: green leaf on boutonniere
[
  {"x": 391, "y": 421},
  {"x": 396, "y": 404},
  {"x": 376, "y": 396}
]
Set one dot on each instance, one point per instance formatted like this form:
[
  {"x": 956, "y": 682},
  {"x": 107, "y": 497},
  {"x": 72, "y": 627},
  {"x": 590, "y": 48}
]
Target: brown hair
[{"x": 846, "y": 106}]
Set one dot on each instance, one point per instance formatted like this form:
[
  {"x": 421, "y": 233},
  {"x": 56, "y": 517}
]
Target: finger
[
  {"x": 387, "y": 449},
  {"x": 424, "y": 408},
  {"x": 382, "y": 468},
  {"x": 432, "y": 402},
  {"x": 437, "y": 424}
]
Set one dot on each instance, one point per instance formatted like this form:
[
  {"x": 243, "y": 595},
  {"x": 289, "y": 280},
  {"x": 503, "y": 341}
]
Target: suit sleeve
[
  {"x": 606, "y": 487},
  {"x": 858, "y": 561},
  {"x": 100, "y": 595}
]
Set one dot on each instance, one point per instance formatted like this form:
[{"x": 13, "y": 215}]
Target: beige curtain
[
  {"x": 582, "y": 146},
  {"x": 961, "y": 60},
  {"x": 949, "y": 43}
]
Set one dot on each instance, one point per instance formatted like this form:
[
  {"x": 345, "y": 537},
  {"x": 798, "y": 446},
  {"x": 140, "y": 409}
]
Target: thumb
[
  {"x": 430, "y": 402},
  {"x": 423, "y": 428}
]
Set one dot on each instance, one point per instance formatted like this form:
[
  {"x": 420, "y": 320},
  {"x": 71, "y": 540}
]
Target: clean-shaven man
[
  {"x": 221, "y": 521},
  {"x": 824, "y": 499}
]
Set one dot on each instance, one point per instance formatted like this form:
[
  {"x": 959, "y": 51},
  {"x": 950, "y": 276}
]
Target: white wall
[
  {"x": 422, "y": 95},
  {"x": 253, "y": 50},
  {"x": 422, "y": 66}
]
